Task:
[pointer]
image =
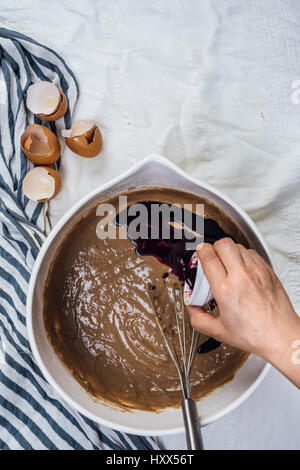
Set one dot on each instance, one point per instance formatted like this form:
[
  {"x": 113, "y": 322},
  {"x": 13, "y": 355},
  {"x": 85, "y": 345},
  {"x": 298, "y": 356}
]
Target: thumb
[{"x": 204, "y": 322}]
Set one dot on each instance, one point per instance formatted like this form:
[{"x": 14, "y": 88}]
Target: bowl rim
[{"x": 51, "y": 236}]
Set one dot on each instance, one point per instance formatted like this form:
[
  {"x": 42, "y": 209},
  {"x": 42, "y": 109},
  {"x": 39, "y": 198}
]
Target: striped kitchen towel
[{"x": 32, "y": 416}]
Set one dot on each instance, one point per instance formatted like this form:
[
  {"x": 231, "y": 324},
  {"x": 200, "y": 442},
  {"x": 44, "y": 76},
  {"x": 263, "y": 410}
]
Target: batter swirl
[{"x": 99, "y": 319}]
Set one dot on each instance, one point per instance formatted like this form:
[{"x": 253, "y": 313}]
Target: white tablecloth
[{"x": 209, "y": 85}]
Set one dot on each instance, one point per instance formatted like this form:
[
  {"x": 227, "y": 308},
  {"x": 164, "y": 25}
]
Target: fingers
[
  {"x": 247, "y": 259},
  {"x": 226, "y": 258},
  {"x": 252, "y": 258},
  {"x": 229, "y": 253},
  {"x": 212, "y": 265},
  {"x": 262, "y": 269},
  {"x": 204, "y": 322},
  {"x": 258, "y": 260}
]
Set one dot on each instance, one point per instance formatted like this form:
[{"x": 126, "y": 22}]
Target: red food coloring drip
[
  {"x": 212, "y": 304},
  {"x": 208, "y": 346},
  {"x": 171, "y": 250}
]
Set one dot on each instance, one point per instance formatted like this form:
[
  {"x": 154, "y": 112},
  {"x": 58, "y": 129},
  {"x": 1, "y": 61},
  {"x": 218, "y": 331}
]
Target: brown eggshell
[
  {"x": 60, "y": 110},
  {"x": 40, "y": 145},
  {"x": 88, "y": 144},
  {"x": 54, "y": 173}
]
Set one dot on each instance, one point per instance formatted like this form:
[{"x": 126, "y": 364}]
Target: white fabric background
[{"x": 208, "y": 84}]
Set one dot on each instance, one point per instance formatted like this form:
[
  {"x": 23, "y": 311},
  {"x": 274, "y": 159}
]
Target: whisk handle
[{"x": 192, "y": 430}]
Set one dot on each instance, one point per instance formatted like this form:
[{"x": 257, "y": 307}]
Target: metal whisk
[{"x": 183, "y": 360}]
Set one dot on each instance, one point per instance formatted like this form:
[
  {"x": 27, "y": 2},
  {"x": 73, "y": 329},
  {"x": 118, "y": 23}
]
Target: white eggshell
[
  {"x": 38, "y": 184},
  {"x": 42, "y": 98},
  {"x": 78, "y": 128}
]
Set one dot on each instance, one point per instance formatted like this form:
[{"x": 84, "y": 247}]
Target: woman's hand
[{"x": 256, "y": 314}]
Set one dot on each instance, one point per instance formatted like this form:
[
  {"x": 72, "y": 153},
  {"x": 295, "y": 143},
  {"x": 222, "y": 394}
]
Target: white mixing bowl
[{"x": 158, "y": 172}]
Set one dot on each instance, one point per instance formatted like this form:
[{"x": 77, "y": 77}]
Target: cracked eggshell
[
  {"x": 84, "y": 138},
  {"x": 40, "y": 144},
  {"x": 42, "y": 183},
  {"x": 59, "y": 112},
  {"x": 46, "y": 101}
]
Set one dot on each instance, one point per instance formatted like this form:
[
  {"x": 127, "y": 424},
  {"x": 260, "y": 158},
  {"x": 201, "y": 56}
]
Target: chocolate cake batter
[{"x": 99, "y": 320}]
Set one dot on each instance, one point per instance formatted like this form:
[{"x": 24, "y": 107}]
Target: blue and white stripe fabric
[{"x": 32, "y": 416}]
